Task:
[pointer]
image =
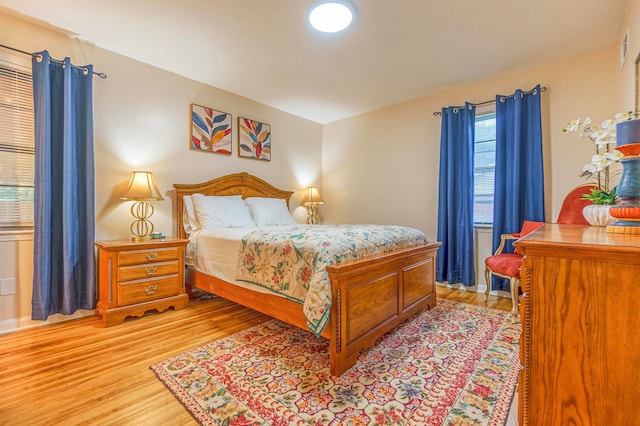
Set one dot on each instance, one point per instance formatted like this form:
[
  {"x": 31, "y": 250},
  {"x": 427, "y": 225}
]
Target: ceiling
[{"x": 395, "y": 51}]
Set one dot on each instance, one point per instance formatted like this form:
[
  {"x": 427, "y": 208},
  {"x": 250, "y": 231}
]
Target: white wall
[
  {"x": 377, "y": 167},
  {"x": 16, "y": 267},
  {"x": 383, "y": 166},
  {"x": 142, "y": 121}
]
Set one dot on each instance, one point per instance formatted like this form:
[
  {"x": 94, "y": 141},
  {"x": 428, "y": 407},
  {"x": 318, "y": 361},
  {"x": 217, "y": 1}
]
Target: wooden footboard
[{"x": 373, "y": 295}]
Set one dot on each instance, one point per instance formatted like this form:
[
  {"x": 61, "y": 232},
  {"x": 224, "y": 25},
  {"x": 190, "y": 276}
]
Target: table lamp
[
  {"x": 311, "y": 200},
  {"x": 142, "y": 188}
]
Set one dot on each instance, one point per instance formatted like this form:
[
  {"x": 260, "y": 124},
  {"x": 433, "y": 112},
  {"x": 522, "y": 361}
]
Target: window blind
[
  {"x": 484, "y": 168},
  {"x": 16, "y": 143}
]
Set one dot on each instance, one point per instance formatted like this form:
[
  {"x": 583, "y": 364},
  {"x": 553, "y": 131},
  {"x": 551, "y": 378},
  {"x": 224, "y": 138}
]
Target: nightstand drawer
[
  {"x": 136, "y": 257},
  {"x": 137, "y": 272},
  {"x": 147, "y": 290}
]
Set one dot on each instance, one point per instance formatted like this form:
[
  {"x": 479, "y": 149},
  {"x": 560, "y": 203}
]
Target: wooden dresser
[
  {"x": 136, "y": 277},
  {"x": 580, "y": 313}
]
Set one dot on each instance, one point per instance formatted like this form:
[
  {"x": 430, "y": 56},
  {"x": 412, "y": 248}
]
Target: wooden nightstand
[{"x": 138, "y": 276}]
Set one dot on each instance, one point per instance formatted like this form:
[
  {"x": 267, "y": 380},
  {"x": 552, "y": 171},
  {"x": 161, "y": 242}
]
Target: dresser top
[{"x": 578, "y": 238}]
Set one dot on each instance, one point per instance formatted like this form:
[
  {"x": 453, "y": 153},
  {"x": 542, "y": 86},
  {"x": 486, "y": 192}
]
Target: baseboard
[
  {"x": 478, "y": 288},
  {"x": 9, "y": 326}
]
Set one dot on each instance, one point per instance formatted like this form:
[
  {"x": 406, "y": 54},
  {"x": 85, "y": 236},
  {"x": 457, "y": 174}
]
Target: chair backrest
[
  {"x": 572, "y": 206},
  {"x": 528, "y": 226}
]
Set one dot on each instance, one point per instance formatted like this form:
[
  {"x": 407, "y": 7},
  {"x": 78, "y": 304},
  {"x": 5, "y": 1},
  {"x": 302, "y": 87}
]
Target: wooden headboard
[{"x": 235, "y": 184}]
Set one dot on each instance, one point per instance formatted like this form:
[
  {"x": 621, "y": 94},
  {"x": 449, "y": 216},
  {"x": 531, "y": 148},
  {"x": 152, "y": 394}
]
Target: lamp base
[
  {"x": 141, "y": 228},
  {"x": 312, "y": 214}
]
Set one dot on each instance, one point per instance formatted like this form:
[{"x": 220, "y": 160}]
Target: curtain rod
[
  {"x": 542, "y": 89},
  {"x": 99, "y": 74}
]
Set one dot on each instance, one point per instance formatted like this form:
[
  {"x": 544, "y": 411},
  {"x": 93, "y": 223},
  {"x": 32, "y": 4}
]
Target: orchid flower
[{"x": 604, "y": 138}]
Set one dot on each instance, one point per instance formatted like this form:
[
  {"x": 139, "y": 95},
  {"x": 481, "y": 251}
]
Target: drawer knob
[
  {"x": 151, "y": 270},
  {"x": 152, "y": 255},
  {"x": 151, "y": 289}
]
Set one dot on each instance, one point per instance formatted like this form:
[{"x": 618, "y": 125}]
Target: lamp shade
[
  {"x": 311, "y": 197},
  {"x": 142, "y": 186}
]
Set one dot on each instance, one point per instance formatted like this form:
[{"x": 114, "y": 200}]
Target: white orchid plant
[{"x": 599, "y": 169}]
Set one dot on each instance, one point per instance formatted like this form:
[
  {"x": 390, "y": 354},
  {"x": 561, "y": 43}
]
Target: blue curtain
[
  {"x": 454, "y": 263},
  {"x": 64, "y": 263},
  {"x": 519, "y": 178}
]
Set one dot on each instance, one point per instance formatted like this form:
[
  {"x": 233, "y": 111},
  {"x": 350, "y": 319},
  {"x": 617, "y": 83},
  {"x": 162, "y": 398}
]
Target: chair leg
[
  {"x": 487, "y": 279},
  {"x": 515, "y": 287}
]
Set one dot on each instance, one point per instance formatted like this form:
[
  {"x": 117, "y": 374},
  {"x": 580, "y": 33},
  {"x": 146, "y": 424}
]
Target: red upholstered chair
[
  {"x": 507, "y": 265},
  {"x": 572, "y": 206}
]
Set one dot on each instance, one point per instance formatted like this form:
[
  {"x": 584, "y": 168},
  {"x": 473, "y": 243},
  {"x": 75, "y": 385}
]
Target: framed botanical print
[
  {"x": 210, "y": 130},
  {"x": 254, "y": 139}
]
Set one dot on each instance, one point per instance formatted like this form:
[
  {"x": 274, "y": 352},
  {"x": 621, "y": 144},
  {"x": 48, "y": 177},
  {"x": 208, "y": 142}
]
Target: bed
[{"x": 370, "y": 296}]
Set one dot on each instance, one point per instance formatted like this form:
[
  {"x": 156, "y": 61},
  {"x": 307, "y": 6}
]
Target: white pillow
[
  {"x": 269, "y": 211},
  {"x": 189, "y": 218},
  {"x": 222, "y": 212}
]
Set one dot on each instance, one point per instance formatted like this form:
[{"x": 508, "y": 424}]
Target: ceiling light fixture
[{"x": 331, "y": 16}]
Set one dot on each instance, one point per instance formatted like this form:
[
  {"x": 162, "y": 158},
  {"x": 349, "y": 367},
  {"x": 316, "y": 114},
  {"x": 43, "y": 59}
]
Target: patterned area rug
[{"x": 456, "y": 364}]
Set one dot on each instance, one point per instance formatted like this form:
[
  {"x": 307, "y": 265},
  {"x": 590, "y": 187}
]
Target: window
[
  {"x": 16, "y": 143},
  {"x": 484, "y": 166}
]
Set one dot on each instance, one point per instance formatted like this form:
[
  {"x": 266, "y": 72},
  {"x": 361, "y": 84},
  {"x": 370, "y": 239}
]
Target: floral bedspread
[{"x": 292, "y": 261}]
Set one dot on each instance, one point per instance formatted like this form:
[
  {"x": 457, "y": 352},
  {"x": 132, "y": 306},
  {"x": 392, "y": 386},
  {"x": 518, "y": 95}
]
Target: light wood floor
[{"x": 79, "y": 373}]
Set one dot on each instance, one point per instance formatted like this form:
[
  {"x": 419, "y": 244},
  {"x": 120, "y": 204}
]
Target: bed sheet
[{"x": 214, "y": 252}]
